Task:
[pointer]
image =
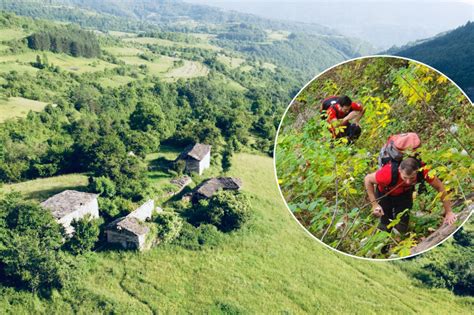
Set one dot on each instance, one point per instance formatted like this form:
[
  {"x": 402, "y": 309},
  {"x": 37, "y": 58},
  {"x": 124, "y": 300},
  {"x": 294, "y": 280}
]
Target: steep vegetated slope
[{"x": 450, "y": 53}]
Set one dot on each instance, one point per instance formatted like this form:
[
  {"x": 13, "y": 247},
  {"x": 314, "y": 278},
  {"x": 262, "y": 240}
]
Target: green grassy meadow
[
  {"x": 8, "y": 34},
  {"x": 270, "y": 266},
  {"x": 42, "y": 188},
  {"x": 18, "y": 107},
  {"x": 169, "y": 43}
]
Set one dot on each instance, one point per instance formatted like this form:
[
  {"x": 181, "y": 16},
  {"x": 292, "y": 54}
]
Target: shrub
[
  {"x": 102, "y": 185},
  {"x": 169, "y": 226},
  {"x": 85, "y": 236},
  {"x": 196, "y": 238},
  {"x": 226, "y": 210}
]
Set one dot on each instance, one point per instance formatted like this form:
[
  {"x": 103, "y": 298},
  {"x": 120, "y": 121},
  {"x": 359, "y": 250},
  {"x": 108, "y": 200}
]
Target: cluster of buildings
[{"x": 131, "y": 231}]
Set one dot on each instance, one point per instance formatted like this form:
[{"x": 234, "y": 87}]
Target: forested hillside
[
  {"x": 450, "y": 53},
  {"x": 306, "y": 49}
]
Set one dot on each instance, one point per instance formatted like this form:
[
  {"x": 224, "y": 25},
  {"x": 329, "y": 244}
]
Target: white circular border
[{"x": 276, "y": 140}]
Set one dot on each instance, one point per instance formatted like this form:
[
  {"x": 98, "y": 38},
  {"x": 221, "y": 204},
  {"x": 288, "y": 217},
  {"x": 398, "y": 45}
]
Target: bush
[
  {"x": 85, "y": 236},
  {"x": 226, "y": 210},
  {"x": 209, "y": 235},
  {"x": 196, "y": 238},
  {"x": 103, "y": 186},
  {"x": 112, "y": 208},
  {"x": 169, "y": 226}
]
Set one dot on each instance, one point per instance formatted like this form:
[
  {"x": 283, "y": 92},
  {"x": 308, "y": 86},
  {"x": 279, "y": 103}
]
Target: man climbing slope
[
  {"x": 389, "y": 199},
  {"x": 342, "y": 111}
]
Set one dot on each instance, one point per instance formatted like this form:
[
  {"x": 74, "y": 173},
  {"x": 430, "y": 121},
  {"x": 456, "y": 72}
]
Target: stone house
[
  {"x": 208, "y": 188},
  {"x": 196, "y": 157},
  {"x": 131, "y": 231},
  {"x": 70, "y": 205}
]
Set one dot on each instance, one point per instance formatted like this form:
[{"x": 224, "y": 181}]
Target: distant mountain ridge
[{"x": 451, "y": 53}]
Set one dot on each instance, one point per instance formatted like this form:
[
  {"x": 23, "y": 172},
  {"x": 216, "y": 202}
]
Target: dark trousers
[
  {"x": 351, "y": 132},
  {"x": 392, "y": 206}
]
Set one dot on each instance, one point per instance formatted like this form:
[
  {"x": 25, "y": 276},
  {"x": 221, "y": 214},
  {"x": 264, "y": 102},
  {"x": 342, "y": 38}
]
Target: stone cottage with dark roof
[
  {"x": 131, "y": 231},
  {"x": 197, "y": 158},
  {"x": 70, "y": 205},
  {"x": 208, "y": 188}
]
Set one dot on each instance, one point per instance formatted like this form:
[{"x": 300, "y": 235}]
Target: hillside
[
  {"x": 450, "y": 53},
  {"x": 313, "y": 46},
  {"x": 271, "y": 266}
]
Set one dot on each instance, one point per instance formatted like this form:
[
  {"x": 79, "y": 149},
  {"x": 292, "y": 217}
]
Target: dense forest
[
  {"x": 450, "y": 53},
  {"x": 398, "y": 97},
  {"x": 72, "y": 41}
]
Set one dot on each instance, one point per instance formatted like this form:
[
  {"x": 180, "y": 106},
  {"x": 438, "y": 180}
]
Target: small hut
[
  {"x": 208, "y": 188},
  {"x": 131, "y": 231},
  {"x": 72, "y": 205},
  {"x": 196, "y": 157}
]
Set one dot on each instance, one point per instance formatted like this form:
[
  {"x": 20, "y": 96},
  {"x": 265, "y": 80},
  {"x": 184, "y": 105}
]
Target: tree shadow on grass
[
  {"x": 161, "y": 164},
  {"x": 46, "y": 193}
]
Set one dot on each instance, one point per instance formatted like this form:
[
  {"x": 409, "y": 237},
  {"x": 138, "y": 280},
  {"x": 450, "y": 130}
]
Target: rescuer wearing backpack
[
  {"x": 395, "y": 182},
  {"x": 340, "y": 111}
]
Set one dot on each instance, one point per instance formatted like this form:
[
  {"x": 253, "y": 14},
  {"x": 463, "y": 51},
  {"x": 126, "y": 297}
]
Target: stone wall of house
[
  {"x": 205, "y": 163},
  {"x": 192, "y": 165},
  {"x": 91, "y": 208},
  {"x": 126, "y": 239},
  {"x": 143, "y": 212}
]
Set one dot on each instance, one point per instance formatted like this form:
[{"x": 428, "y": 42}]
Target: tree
[
  {"x": 147, "y": 117},
  {"x": 30, "y": 246},
  {"x": 86, "y": 234},
  {"x": 102, "y": 185}
]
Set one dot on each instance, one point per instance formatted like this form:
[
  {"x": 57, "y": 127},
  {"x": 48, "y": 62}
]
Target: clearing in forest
[
  {"x": 190, "y": 69},
  {"x": 18, "y": 107}
]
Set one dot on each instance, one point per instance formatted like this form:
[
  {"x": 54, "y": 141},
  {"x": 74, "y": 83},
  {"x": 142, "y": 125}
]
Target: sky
[{"x": 383, "y": 22}]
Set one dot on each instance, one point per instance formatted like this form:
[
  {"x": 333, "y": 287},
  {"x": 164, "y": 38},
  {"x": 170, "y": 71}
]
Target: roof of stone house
[
  {"x": 197, "y": 151},
  {"x": 211, "y": 186},
  {"x": 130, "y": 224},
  {"x": 67, "y": 202}
]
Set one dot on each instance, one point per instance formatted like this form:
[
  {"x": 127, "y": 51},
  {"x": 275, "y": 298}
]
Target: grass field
[
  {"x": 269, "y": 66},
  {"x": 270, "y": 266},
  {"x": 231, "y": 62},
  {"x": 42, "y": 188},
  {"x": 123, "y": 51},
  {"x": 66, "y": 62},
  {"x": 6, "y": 67},
  {"x": 18, "y": 107},
  {"x": 190, "y": 69},
  {"x": 3, "y": 48},
  {"x": 7, "y": 34},
  {"x": 159, "y": 66},
  {"x": 115, "y": 81},
  {"x": 169, "y": 43},
  {"x": 121, "y": 34},
  {"x": 277, "y": 35}
]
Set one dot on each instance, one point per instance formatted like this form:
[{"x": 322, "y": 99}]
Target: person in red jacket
[
  {"x": 342, "y": 111},
  {"x": 392, "y": 200}
]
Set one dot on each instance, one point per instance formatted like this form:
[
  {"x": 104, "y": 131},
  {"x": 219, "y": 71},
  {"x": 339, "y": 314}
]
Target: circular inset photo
[{"x": 374, "y": 157}]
